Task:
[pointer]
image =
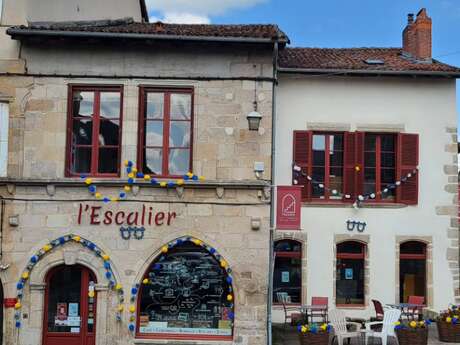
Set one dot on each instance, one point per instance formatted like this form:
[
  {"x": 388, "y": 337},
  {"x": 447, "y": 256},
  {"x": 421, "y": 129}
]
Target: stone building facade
[{"x": 122, "y": 232}]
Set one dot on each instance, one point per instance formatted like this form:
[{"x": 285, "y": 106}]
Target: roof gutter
[
  {"x": 18, "y": 33},
  {"x": 367, "y": 72}
]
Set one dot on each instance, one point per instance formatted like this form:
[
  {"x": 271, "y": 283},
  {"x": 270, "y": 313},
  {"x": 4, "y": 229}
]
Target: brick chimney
[{"x": 417, "y": 36}]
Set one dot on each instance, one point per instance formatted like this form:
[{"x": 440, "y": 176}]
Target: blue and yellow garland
[
  {"x": 134, "y": 174},
  {"x": 40, "y": 254},
  {"x": 157, "y": 266}
]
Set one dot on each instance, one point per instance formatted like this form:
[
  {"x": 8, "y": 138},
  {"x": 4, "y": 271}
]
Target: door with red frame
[{"x": 70, "y": 308}]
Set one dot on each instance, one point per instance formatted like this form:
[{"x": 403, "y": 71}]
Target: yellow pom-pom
[
  {"x": 88, "y": 181},
  {"x": 229, "y": 297},
  {"x": 201, "y": 178},
  {"x": 164, "y": 249},
  {"x": 223, "y": 263},
  {"x": 303, "y": 329},
  {"x": 189, "y": 174},
  {"x": 46, "y": 248},
  {"x": 132, "y": 318},
  {"x": 118, "y": 287},
  {"x": 163, "y": 184},
  {"x": 91, "y": 294},
  {"x": 105, "y": 257},
  {"x": 145, "y": 281},
  {"x": 114, "y": 199},
  {"x": 134, "y": 170},
  {"x": 180, "y": 182},
  {"x": 25, "y": 275},
  {"x": 131, "y": 175},
  {"x": 127, "y": 188},
  {"x": 397, "y": 323},
  {"x": 98, "y": 195},
  {"x": 132, "y": 309},
  {"x": 197, "y": 241},
  {"x": 121, "y": 308},
  {"x": 448, "y": 319},
  {"x": 323, "y": 327},
  {"x": 126, "y": 162},
  {"x": 422, "y": 323},
  {"x": 18, "y": 305},
  {"x": 76, "y": 238},
  {"x": 413, "y": 324},
  {"x": 357, "y": 168},
  {"x": 147, "y": 177}
]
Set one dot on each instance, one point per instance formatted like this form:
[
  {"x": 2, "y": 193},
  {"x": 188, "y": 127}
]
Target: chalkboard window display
[{"x": 187, "y": 290}]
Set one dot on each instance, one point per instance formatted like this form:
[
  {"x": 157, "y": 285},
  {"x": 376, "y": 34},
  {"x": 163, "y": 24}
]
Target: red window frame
[
  {"x": 353, "y": 256},
  {"x": 292, "y": 255},
  {"x": 407, "y": 256},
  {"x": 327, "y": 166},
  {"x": 378, "y": 165},
  {"x": 167, "y": 91},
  {"x": 97, "y": 89}
]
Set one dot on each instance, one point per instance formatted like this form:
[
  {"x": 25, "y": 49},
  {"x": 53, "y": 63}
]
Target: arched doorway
[
  {"x": 287, "y": 273},
  {"x": 412, "y": 270},
  {"x": 70, "y": 306}
]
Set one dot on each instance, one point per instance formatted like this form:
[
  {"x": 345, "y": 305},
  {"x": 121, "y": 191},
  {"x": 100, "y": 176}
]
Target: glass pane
[
  {"x": 336, "y": 158},
  {"x": 369, "y": 159},
  {"x": 387, "y": 142},
  {"x": 412, "y": 278},
  {"x": 179, "y": 161},
  {"x": 350, "y": 281},
  {"x": 110, "y": 105},
  {"x": 81, "y": 160},
  {"x": 287, "y": 279},
  {"x": 179, "y": 134},
  {"x": 350, "y": 247},
  {"x": 108, "y": 160},
  {"x": 412, "y": 247},
  {"x": 153, "y": 161},
  {"x": 187, "y": 294},
  {"x": 83, "y": 103},
  {"x": 335, "y": 181},
  {"x": 387, "y": 160},
  {"x": 369, "y": 175},
  {"x": 369, "y": 142},
  {"x": 336, "y": 142},
  {"x": 181, "y": 106},
  {"x": 390, "y": 195},
  {"x": 318, "y": 176},
  {"x": 319, "y": 142},
  {"x": 287, "y": 246},
  {"x": 154, "y": 133},
  {"x": 82, "y": 132},
  {"x": 64, "y": 299},
  {"x": 369, "y": 188},
  {"x": 109, "y": 133},
  {"x": 155, "y": 105},
  {"x": 388, "y": 176}
]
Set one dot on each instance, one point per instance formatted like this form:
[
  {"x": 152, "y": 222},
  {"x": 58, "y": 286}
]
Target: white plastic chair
[
  {"x": 339, "y": 323},
  {"x": 388, "y": 326}
]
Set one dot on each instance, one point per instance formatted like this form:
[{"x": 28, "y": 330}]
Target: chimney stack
[{"x": 417, "y": 36}]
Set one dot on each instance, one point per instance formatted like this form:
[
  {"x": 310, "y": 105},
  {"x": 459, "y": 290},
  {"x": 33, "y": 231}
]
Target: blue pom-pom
[
  {"x": 34, "y": 259},
  {"x": 19, "y": 286},
  {"x": 133, "y": 291},
  {"x": 122, "y": 195},
  {"x": 156, "y": 266},
  {"x": 106, "y": 265},
  {"x": 186, "y": 178},
  {"x": 131, "y": 327},
  {"x": 231, "y": 315},
  {"x": 212, "y": 250},
  {"x": 171, "y": 184},
  {"x": 229, "y": 279},
  {"x": 108, "y": 275},
  {"x": 92, "y": 188},
  {"x": 140, "y": 175},
  {"x": 91, "y": 246},
  {"x": 18, "y": 324},
  {"x": 299, "y": 328},
  {"x": 129, "y": 170},
  {"x": 154, "y": 181},
  {"x": 130, "y": 180},
  {"x": 130, "y": 164},
  {"x": 195, "y": 178},
  {"x": 83, "y": 176},
  {"x": 313, "y": 330},
  {"x": 61, "y": 240},
  {"x": 106, "y": 200}
]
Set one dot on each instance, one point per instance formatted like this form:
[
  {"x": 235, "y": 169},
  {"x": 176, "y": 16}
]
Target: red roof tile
[{"x": 354, "y": 60}]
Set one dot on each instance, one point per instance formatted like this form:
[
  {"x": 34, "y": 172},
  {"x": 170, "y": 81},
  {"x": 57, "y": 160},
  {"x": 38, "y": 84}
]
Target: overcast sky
[{"x": 327, "y": 23}]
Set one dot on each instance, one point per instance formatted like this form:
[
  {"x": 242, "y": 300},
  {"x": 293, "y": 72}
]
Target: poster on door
[
  {"x": 61, "y": 314},
  {"x": 288, "y": 202}
]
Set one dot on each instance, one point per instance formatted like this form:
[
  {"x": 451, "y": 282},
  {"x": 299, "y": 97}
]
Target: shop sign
[
  {"x": 9, "y": 302},
  {"x": 359, "y": 226},
  {"x": 288, "y": 207},
  {"x": 143, "y": 216}
]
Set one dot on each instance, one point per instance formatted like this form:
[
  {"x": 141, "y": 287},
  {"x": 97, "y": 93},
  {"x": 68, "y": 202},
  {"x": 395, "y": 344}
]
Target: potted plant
[
  {"x": 449, "y": 325},
  {"x": 314, "y": 334},
  {"x": 413, "y": 332}
]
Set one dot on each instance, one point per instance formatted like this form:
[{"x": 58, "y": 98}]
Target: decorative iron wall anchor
[
  {"x": 137, "y": 233},
  {"x": 352, "y": 224}
]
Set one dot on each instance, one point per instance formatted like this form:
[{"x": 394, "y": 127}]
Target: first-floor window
[
  {"x": 186, "y": 294},
  {"x": 94, "y": 135},
  {"x": 287, "y": 277},
  {"x": 412, "y": 270},
  {"x": 350, "y": 273}
]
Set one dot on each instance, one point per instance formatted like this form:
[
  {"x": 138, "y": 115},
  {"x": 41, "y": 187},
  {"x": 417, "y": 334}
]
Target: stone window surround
[
  {"x": 348, "y": 127},
  {"x": 428, "y": 241}
]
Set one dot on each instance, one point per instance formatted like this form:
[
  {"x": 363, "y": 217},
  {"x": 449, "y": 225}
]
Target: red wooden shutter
[
  {"x": 359, "y": 181},
  {"x": 302, "y": 155},
  {"x": 407, "y": 162},
  {"x": 349, "y": 163}
]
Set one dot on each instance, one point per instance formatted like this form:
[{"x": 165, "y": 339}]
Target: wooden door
[{"x": 69, "y": 310}]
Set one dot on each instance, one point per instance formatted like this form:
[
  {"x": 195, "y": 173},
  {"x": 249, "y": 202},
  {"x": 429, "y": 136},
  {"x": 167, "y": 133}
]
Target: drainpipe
[{"x": 272, "y": 196}]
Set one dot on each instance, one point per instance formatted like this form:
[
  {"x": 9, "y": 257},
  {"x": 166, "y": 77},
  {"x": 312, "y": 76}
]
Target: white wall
[{"x": 421, "y": 106}]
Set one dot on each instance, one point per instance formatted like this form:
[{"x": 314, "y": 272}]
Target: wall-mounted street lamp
[{"x": 254, "y": 119}]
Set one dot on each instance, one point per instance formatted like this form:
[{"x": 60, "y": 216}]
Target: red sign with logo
[
  {"x": 288, "y": 204},
  {"x": 9, "y": 302}
]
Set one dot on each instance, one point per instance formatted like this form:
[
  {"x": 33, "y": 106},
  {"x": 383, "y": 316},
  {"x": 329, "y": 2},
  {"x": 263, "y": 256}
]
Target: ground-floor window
[
  {"x": 350, "y": 273},
  {"x": 412, "y": 270},
  {"x": 186, "y": 292},
  {"x": 287, "y": 277}
]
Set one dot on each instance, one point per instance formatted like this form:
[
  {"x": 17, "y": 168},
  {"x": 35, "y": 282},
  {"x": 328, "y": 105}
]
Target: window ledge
[
  {"x": 351, "y": 306},
  {"x": 348, "y": 205}
]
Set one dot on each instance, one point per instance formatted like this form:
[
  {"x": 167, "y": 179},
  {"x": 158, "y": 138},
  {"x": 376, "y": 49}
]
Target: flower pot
[
  {"x": 448, "y": 332},
  {"x": 409, "y": 336},
  {"x": 308, "y": 338}
]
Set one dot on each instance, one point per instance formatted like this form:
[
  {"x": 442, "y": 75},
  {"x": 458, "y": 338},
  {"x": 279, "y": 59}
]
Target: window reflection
[{"x": 110, "y": 105}]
